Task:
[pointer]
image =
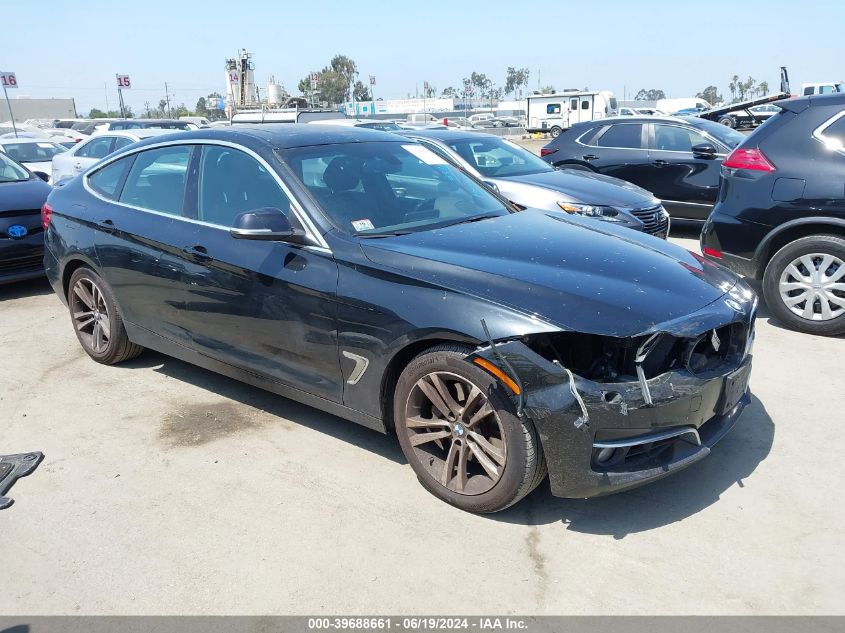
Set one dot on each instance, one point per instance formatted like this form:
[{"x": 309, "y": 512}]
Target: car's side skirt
[{"x": 153, "y": 341}]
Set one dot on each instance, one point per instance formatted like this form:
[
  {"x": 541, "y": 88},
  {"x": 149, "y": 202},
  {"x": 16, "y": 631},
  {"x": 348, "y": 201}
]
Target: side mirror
[
  {"x": 491, "y": 185},
  {"x": 42, "y": 176},
  {"x": 704, "y": 150},
  {"x": 268, "y": 223}
]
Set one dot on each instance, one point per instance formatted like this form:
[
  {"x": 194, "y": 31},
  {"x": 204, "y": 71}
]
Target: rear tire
[
  {"x": 728, "y": 121},
  {"x": 555, "y": 131},
  {"x": 804, "y": 285},
  {"x": 96, "y": 319},
  {"x": 482, "y": 458}
]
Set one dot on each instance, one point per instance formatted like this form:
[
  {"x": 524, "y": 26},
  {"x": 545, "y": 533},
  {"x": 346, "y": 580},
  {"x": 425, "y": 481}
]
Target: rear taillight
[
  {"x": 46, "y": 214},
  {"x": 752, "y": 159},
  {"x": 712, "y": 252},
  {"x": 545, "y": 151}
]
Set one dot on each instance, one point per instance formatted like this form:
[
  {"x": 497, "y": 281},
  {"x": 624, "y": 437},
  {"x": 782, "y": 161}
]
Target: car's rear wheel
[
  {"x": 96, "y": 319},
  {"x": 555, "y": 131},
  {"x": 727, "y": 121},
  {"x": 804, "y": 285},
  {"x": 458, "y": 431}
]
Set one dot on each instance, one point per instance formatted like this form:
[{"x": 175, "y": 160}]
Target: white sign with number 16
[{"x": 8, "y": 80}]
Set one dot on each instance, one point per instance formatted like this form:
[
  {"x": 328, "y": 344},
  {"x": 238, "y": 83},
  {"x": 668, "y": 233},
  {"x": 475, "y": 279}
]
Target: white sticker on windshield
[
  {"x": 45, "y": 145},
  {"x": 425, "y": 154},
  {"x": 362, "y": 225}
]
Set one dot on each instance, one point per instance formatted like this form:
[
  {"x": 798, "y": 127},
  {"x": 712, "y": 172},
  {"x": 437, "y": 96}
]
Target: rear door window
[
  {"x": 106, "y": 181},
  {"x": 99, "y": 147},
  {"x": 120, "y": 142},
  {"x": 833, "y": 132},
  {"x": 157, "y": 179},
  {"x": 623, "y": 135}
]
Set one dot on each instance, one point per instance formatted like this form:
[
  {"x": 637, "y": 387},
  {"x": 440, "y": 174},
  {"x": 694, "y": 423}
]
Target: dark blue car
[
  {"x": 359, "y": 272},
  {"x": 22, "y": 195}
]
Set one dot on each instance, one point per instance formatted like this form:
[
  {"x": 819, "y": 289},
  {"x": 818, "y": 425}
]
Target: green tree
[
  {"x": 96, "y": 113},
  {"x": 430, "y": 92},
  {"x": 763, "y": 88},
  {"x": 515, "y": 78},
  {"x": 335, "y": 82},
  {"x": 653, "y": 94},
  {"x": 361, "y": 91},
  {"x": 711, "y": 95},
  {"x": 201, "y": 109},
  {"x": 449, "y": 92},
  {"x": 733, "y": 86}
]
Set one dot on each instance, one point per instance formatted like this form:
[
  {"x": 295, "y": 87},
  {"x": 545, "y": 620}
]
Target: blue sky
[{"x": 65, "y": 49}]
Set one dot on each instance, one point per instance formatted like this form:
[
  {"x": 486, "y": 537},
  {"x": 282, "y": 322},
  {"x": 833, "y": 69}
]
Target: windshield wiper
[
  {"x": 474, "y": 218},
  {"x": 387, "y": 234}
]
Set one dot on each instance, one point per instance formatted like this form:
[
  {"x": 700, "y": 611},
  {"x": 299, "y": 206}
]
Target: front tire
[
  {"x": 804, "y": 285},
  {"x": 728, "y": 121},
  {"x": 96, "y": 320},
  {"x": 458, "y": 430}
]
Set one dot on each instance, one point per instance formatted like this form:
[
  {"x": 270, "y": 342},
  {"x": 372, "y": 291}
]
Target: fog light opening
[{"x": 605, "y": 455}]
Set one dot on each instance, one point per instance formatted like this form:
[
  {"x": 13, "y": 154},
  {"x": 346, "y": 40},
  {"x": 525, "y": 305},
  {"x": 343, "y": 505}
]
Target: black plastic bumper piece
[{"x": 12, "y": 468}]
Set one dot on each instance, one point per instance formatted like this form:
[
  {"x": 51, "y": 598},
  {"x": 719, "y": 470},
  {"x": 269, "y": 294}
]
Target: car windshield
[
  {"x": 33, "y": 152},
  {"x": 10, "y": 171},
  {"x": 387, "y": 188},
  {"x": 497, "y": 158},
  {"x": 722, "y": 133},
  {"x": 387, "y": 126}
]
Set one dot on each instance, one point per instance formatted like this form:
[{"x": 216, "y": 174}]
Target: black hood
[
  {"x": 24, "y": 195},
  {"x": 575, "y": 275},
  {"x": 592, "y": 188}
]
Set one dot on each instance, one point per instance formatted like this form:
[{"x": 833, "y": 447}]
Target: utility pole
[{"x": 167, "y": 98}]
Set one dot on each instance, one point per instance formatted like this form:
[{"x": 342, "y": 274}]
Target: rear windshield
[{"x": 497, "y": 158}]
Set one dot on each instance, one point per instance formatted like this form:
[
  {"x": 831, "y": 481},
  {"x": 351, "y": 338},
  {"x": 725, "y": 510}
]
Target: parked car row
[
  {"x": 502, "y": 342},
  {"x": 774, "y": 201}
]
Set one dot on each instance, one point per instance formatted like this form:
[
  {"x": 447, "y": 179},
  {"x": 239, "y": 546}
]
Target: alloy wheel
[
  {"x": 813, "y": 287},
  {"x": 455, "y": 432},
  {"x": 91, "y": 315}
]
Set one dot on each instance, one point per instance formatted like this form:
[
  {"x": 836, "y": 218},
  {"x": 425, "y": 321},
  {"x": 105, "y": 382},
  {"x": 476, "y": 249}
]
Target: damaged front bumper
[{"x": 605, "y": 436}]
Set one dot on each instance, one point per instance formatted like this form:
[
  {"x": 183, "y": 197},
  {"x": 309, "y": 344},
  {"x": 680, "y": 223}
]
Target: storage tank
[{"x": 275, "y": 94}]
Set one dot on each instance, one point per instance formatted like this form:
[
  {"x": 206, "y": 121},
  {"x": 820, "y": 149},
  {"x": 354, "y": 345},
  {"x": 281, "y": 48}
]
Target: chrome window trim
[
  {"x": 717, "y": 143},
  {"x": 298, "y": 211},
  {"x": 818, "y": 133}
]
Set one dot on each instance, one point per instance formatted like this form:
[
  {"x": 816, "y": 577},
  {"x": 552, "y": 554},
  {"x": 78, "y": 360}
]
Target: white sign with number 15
[
  {"x": 8, "y": 80},
  {"x": 123, "y": 82}
]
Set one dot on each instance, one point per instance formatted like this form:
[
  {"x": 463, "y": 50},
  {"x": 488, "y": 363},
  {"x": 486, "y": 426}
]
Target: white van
[
  {"x": 557, "y": 112},
  {"x": 822, "y": 88}
]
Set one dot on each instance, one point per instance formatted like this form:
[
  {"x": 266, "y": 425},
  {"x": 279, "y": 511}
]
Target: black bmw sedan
[
  {"x": 358, "y": 272},
  {"x": 676, "y": 158},
  {"x": 22, "y": 194}
]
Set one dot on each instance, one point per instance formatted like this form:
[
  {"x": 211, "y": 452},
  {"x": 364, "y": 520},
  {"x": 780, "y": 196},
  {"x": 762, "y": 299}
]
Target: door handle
[
  {"x": 107, "y": 226},
  {"x": 590, "y": 157},
  {"x": 197, "y": 253},
  {"x": 660, "y": 163}
]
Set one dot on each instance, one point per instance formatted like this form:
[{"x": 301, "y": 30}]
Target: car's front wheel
[
  {"x": 804, "y": 285},
  {"x": 457, "y": 428},
  {"x": 727, "y": 121},
  {"x": 96, "y": 320}
]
